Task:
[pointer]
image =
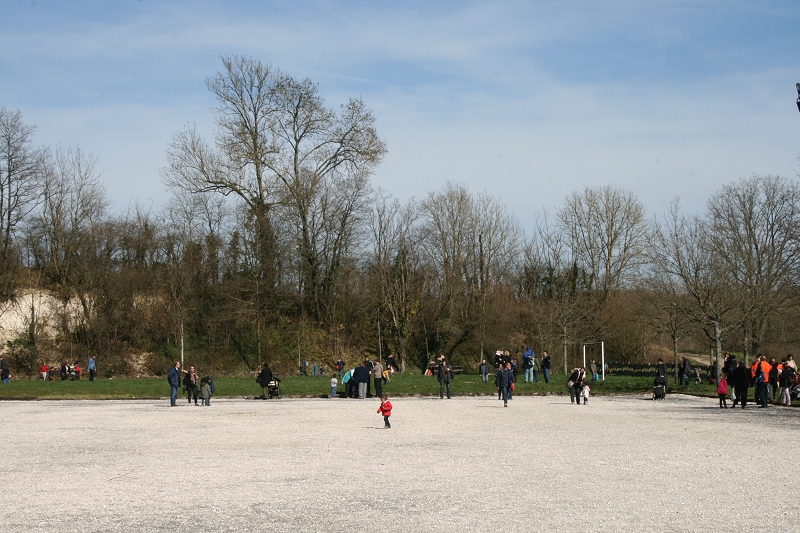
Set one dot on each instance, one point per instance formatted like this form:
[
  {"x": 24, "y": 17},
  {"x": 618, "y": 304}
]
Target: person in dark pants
[
  {"x": 369, "y": 366},
  {"x": 506, "y": 379},
  {"x": 190, "y": 384},
  {"x": 741, "y": 382},
  {"x": 444, "y": 375},
  {"x": 174, "y": 379},
  {"x": 264, "y": 377},
  {"x": 92, "y": 368},
  {"x": 773, "y": 378},
  {"x": 377, "y": 378},
  {"x": 760, "y": 374},
  {"x": 546, "y": 366}
]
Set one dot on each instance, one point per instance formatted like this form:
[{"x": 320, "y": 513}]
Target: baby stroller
[
  {"x": 274, "y": 388},
  {"x": 659, "y": 388}
]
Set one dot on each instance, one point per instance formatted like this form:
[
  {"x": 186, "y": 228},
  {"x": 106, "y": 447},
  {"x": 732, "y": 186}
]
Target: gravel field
[{"x": 466, "y": 464}]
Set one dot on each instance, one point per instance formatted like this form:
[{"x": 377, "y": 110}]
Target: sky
[{"x": 528, "y": 101}]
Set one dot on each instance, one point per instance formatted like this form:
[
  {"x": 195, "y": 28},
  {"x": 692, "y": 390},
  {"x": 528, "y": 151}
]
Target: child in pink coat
[{"x": 722, "y": 391}]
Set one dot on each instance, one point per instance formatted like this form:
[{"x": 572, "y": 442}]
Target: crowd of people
[
  {"x": 774, "y": 382},
  {"x": 68, "y": 371}
]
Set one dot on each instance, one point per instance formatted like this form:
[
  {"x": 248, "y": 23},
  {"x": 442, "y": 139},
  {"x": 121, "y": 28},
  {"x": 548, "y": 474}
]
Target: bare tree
[
  {"x": 608, "y": 234},
  {"x": 754, "y": 228},
  {"x": 277, "y": 145},
  {"x": 21, "y": 171},
  {"x": 66, "y": 237},
  {"x": 681, "y": 251},
  {"x": 402, "y": 278},
  {"x": 474, "y": 244}
]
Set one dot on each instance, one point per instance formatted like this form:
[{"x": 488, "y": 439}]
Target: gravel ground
[{"x": 466, "y": 464}]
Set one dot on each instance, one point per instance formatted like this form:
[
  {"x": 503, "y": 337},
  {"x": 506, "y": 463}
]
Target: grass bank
[{"x": 406, "y": 384}]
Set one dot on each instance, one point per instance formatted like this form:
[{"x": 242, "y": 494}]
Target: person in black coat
[
  {"x": 546, "y": 367},
  {"x": 506, "y": 379},
  {"x": 264, "y": 377},
  {"x": 174, "y": 379},
  {"x": 741, "y": 382},
  {"x": 361, "y": 377},
  {"x": 444, "y": 374}
]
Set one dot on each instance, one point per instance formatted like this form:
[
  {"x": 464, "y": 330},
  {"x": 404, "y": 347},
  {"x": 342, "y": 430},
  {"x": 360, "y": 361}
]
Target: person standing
[
  {"x": 369, "y": 366},
  {"x": 334, "y": 383},
  {"x": 786, "y": 381},
  {"x": 44, "y": 371},
  {"x": 340, "y": 367},
  {"x": 484, "y": 371},
  {"x": 190, "y": 384},
  {"x": 444, "y": 374},
  {"x": 760, "y": 374},
  {"x": 361, "y": 377},
  {"x": 386, "y": 410},
  {"x": 527, "y": 364},
  {"x": 377, "y": 378},
  {"x": 773, "y": 379},
  {"x": 593, "y": 368},
  {"x": 5, "y": 372},
  {"x": 575, "y": 384},
  {"x": 722, "y": 391},
  {"x": 91, "y": 366},
  {"x": 506, "y": 380},
  {"x": 661, "y": 369},
  {"x": 174, "y": 379},
  {"x": 546, "y": 366},
  {"x": 741, "y": 382},
  {"x": 264, "y": 377},
  {"x": 205, "y": 391}
]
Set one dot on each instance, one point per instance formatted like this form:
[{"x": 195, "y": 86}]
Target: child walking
[
  {"x": 722, "y": 391},
  {"x": 386, "y": 410},
  {"x": 584, "y": 394},
  {"x": 205, "y": 391},
  {"x": 334, "y": 383}
]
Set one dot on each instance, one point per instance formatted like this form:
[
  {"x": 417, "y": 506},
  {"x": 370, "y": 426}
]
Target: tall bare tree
[
  {"x": 608, "y": 234},
  {"x": 401, "y": 276},
  {"x": 681, "y": 251},
  {"x": 66, "y": 237},
  {"x": 277, "y": 145},
  {"x": 21, "y": 172},
  {"x": 754, "y": 227}
]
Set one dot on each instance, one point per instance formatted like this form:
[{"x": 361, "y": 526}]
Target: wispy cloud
[{"x": 527, "y": 99}]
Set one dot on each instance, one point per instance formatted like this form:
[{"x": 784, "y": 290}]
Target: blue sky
[{"x": 526, "y": 100}]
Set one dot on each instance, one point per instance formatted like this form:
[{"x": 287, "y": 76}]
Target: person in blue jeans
[
  {"x": 174, "y": 379},
  {"x": 484, "y": 370},
  {"x": 506, "y": 379},
  {"x": 546, "y": 366},
  {"x": 92, "y": 368},
  {"x": 527, "y": 364}
]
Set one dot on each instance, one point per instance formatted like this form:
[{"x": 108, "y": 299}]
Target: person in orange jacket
[{"x": 760, "y": 373}]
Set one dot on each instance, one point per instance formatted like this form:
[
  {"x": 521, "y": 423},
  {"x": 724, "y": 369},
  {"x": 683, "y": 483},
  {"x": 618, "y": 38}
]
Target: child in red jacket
[
  {"x": 386, "y": 410},
  {"x": 722, "y": 391}
]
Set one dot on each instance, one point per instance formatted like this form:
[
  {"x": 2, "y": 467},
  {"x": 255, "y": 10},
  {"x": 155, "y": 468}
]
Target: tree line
[{"x": 275, "y": 246}]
